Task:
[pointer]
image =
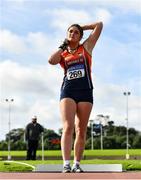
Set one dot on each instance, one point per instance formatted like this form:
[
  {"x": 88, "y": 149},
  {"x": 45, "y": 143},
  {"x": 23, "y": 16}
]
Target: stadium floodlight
[
  {"x": 127, "y": 133},
  {"x": 9, "y": 101}
]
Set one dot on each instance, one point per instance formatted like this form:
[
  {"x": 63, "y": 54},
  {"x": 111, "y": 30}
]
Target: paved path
[{"x": 70, "y": 176}]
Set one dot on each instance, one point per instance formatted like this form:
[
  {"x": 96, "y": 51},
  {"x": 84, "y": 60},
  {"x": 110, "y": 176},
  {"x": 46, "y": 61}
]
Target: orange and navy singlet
[{"x": 77, "y": 82}]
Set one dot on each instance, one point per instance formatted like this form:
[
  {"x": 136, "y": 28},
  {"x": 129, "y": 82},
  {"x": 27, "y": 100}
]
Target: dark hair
[{"x": 79, "y": 28}]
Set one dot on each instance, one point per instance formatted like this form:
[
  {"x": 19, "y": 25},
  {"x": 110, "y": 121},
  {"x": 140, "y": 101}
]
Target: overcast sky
[{"x": 30, "y": 30}]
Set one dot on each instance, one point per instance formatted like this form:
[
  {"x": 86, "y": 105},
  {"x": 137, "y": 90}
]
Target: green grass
[
  {"x": 111, "y": 152},
  {"x": 128, "y": 165},
  {"x": 14, "y": 167}
]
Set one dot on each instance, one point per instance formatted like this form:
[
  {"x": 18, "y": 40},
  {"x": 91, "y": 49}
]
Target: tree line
[{"x": 114, "y": 137}]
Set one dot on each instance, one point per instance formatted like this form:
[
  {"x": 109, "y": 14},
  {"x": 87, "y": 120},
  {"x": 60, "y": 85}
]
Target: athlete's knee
[
  {"x": 80, "y": 134},
  {"x": 68, "y": 129}
]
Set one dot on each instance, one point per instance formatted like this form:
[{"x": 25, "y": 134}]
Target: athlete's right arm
[{"x": 55, "y": 58}]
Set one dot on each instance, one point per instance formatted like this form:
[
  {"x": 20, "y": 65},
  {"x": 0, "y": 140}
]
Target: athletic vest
[{"x": 77, "y": 69}]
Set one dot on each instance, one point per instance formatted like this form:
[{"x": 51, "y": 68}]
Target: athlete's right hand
[{"x": 64, "y": 45}]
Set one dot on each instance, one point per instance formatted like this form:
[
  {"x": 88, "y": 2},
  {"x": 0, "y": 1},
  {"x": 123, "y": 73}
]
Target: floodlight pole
[
  {"x": 9, "y": 101},
  {"x": 127, "y": 133}
]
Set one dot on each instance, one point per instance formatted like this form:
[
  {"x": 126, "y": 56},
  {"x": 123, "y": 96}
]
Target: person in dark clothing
[{"x": 32, "y": 135}]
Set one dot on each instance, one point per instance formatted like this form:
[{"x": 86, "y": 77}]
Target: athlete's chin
[{"x": 72, "y": 40}]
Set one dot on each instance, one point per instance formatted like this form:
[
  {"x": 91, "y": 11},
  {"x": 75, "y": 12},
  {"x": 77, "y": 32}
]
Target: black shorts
[{"x": 85, "y": 95}]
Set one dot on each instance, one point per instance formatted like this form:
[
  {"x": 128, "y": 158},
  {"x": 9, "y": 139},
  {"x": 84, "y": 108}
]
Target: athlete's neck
[{"x": 72, "y": 48}]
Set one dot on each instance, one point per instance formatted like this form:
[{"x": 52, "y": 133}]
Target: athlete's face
[{"x": 73, "y": 34}]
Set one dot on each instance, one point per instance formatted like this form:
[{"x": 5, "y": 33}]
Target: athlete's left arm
[{"x": 90, "y": 42}]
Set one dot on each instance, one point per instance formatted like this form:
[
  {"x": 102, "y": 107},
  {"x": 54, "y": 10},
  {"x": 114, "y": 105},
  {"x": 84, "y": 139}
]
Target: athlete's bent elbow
[
  {"x": 101, "y": 24},
  {"x": 52, "y": 61}
]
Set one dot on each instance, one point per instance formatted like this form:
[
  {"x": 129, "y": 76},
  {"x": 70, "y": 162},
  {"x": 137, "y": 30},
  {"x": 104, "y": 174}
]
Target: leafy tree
[
  {"x": 3, "y": 145},
  {"x": 51, "y": 139},
  {"x": 137, "y": 141},
  {"x": 15, "y": 135},
  {"x": 109, "y": 142}
]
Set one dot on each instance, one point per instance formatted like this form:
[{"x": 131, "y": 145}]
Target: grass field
[
  {"x": 111, "y": 152},
  {"x": 128, "y": 165}
]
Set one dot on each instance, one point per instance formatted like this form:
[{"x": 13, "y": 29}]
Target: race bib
[{"x": 75, "y": 72}]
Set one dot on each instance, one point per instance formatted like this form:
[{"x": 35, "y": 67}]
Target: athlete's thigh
[
  {"x": 68, "y": 110},
  {"x": 83, "y": 114}
]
